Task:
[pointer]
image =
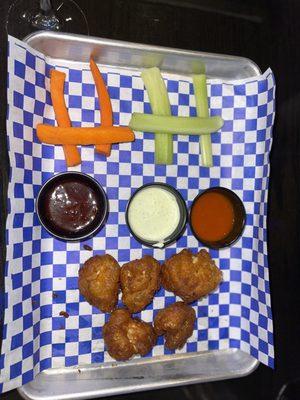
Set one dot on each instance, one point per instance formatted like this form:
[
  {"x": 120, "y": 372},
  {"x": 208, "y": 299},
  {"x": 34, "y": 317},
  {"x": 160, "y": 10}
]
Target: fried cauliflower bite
[
  {"x": 125, "y": 336},
  {"x": 190, "y": 276},
  {"x": 140, "y": 279},
  {"x": 98, "y": 282},
  {"x": 176, "y": 323}
]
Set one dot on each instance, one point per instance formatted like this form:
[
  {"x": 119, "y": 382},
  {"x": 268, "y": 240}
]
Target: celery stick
[
  {"x": 157, "y": 91},
  {"x": 200, "y": 90},
  {"x": 160, "y": 104},
  {"x": 180, "y": 125}
]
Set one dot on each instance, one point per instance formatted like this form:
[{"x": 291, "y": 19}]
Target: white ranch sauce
[{"x": 153, "y": 214}]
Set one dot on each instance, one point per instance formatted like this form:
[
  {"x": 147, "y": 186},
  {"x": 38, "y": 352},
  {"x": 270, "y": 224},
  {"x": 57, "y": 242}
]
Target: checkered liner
[{"x": 41, "y": 272}]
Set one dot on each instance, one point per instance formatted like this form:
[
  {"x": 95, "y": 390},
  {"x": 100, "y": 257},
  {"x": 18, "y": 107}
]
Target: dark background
[{"x": 268, "y": 32}]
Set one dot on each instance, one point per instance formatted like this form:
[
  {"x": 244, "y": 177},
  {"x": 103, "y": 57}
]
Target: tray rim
[
  {"x": 136, "y": 46},
  {"x": 24, "y": 390}
]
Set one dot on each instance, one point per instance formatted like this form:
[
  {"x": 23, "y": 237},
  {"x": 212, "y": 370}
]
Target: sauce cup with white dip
[{"x": 156, "y": 215}]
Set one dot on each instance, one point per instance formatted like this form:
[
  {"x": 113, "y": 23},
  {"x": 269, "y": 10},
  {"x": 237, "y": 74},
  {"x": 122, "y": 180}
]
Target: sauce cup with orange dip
[{"x": 217, "y": 217}]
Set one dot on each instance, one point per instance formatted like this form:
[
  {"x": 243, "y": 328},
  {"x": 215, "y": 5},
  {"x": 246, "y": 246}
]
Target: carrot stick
[
  {"x": 57, "y": 81},
  {"x": 105, "y": 105},
  {"x": 84, "y": 136}
]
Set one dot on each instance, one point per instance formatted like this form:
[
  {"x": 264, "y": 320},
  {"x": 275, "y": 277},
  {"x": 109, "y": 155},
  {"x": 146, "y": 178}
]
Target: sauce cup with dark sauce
[{"x": 72, "y": 206}]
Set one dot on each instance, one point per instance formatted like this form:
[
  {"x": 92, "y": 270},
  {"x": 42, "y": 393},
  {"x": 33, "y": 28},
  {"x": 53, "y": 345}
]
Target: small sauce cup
[
  {"x": 217, "y": 217},
  {"x": 156, "y": 215},
  {"x": 72, "y": 206}
]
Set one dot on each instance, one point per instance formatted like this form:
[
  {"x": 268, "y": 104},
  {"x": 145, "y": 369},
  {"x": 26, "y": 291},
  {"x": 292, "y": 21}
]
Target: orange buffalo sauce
[{"x": 212, "y": 216}]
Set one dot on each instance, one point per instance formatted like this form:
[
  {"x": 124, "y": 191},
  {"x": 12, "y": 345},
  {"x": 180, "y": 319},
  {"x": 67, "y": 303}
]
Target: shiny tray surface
[{"x": 92, "y": 381}]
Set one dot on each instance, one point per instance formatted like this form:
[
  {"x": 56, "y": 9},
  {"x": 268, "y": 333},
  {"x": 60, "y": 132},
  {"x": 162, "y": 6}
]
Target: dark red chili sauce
[{"x": 71, "y": 206}]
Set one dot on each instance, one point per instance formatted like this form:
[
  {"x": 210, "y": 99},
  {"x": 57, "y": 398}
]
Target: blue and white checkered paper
[{"x": 41, "y": 272}]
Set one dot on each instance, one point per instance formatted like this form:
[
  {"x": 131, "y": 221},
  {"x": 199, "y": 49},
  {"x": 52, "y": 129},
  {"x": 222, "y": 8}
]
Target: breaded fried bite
[
  {"x": 176, "y": 323},
  {"x": 125, "y": 336},
  {"x": 190, "y": 276},
  {"x": 99, "y": 282},
  {"x": 140, "y": 279}
]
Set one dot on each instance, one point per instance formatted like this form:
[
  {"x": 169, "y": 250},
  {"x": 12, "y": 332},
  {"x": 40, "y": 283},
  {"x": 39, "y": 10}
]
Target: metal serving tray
[{"x": 99, "y": 380}]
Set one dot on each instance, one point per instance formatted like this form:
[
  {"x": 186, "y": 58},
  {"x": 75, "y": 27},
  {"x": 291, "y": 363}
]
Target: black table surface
[{"x": 267, "y": 32}]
